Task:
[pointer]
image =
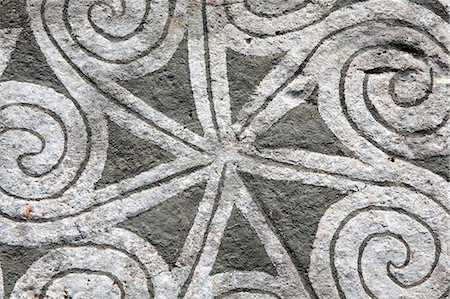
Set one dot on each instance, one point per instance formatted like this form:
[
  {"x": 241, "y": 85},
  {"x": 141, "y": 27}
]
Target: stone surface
[{"x": 224, "y": 149}]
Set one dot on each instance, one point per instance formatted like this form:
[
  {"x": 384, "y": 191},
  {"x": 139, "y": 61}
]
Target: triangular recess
[
  {"x": 244, "y": 73},
  {"x": 302, "y": 128},
  {"x": 439, "y": 165},
  {"x": 168, "y": 90},
  {"x": 129, "y": 155},
  {"x": 167, "y": 225},
  {"x": 241, "y": 249},
  {"x": 12, "y": 13},
  {"x": 28, "y": 64},
  {"x": 294, "y": 210}
]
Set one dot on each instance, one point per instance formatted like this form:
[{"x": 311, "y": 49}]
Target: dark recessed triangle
[
  {"x": 302, "y": 128},
  {"x": 12, "y": 13},
  {"x": 167, "y": 225},
  {"x": 244, "y": 74},
  {"x": 294, "y": 210},
  {"x": 15, "y": 261},
  {"x": 241, "y": 249},
  {"x": 169, "y": 90},
  {"x": 28, "y": 64},
  {"x": 438, "y": 165},
  {"x": 129, "y": 155}
]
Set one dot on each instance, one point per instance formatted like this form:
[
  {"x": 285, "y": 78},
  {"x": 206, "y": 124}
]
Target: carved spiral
[
  {"x": 382, "y": 243},
  {"x": 43, "y": 141},
  {"x": 115, "y": 30},
  {"x": 112, "y": 264},
  {"x": 404, "y": 100},
  {"x": 87, "y": 272},
  {"x": 113, "y": 38},
  {"x": 387, "y": 83},
  {"x": 269, "y": 18}
]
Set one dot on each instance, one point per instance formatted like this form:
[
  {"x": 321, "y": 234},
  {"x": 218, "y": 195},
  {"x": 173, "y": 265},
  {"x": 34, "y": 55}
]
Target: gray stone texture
[{"x": 224, "y": 149}]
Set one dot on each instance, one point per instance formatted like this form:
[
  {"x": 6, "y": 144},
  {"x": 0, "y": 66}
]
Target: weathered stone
[{"x": 224, "y": 149}]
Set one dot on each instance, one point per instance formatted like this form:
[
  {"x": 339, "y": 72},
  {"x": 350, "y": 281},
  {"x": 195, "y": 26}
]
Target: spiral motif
[
  {"x": 116, "y": 31},
  {"x": 269, "y": 18},
  {"x": 407, "y": 101},
  {"x": 86, "y": 272},
  {"x": 44, "y": 141},
  {"x": 391, "y": 88},
  {"x": 382, "y": 243},
  {"x": 111, "y": 39},
  {"x": 114, "y": 263}
]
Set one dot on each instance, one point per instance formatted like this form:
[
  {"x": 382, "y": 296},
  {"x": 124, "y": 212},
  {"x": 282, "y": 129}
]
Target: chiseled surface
[{"x": 224, "y": 149}]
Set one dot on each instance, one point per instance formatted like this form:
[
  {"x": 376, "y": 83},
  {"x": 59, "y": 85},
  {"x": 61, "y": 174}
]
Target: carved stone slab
[{"x": 224, "y": 149}]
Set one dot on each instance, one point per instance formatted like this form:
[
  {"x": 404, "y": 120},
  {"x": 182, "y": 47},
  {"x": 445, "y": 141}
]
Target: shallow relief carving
[{"x": 378, "y": 73}]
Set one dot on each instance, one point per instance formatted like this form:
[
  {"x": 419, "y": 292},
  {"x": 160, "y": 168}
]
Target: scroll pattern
[{"x": 381, "y": 72}]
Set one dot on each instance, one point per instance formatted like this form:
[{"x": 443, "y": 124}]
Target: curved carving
[
  {"x": 113, "y": 39},
  {"x": 71, "y": 268},
  {"x": 386, "y": 88},
  {"x": 87, "y": 270},
  {"x": 270, "y": 18},
  {"x": 45, "y": 143},
  {"x": 380, "y": 71},
  {"x": 382, "y": 242},
  {"x": 52, "y": 151}
]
